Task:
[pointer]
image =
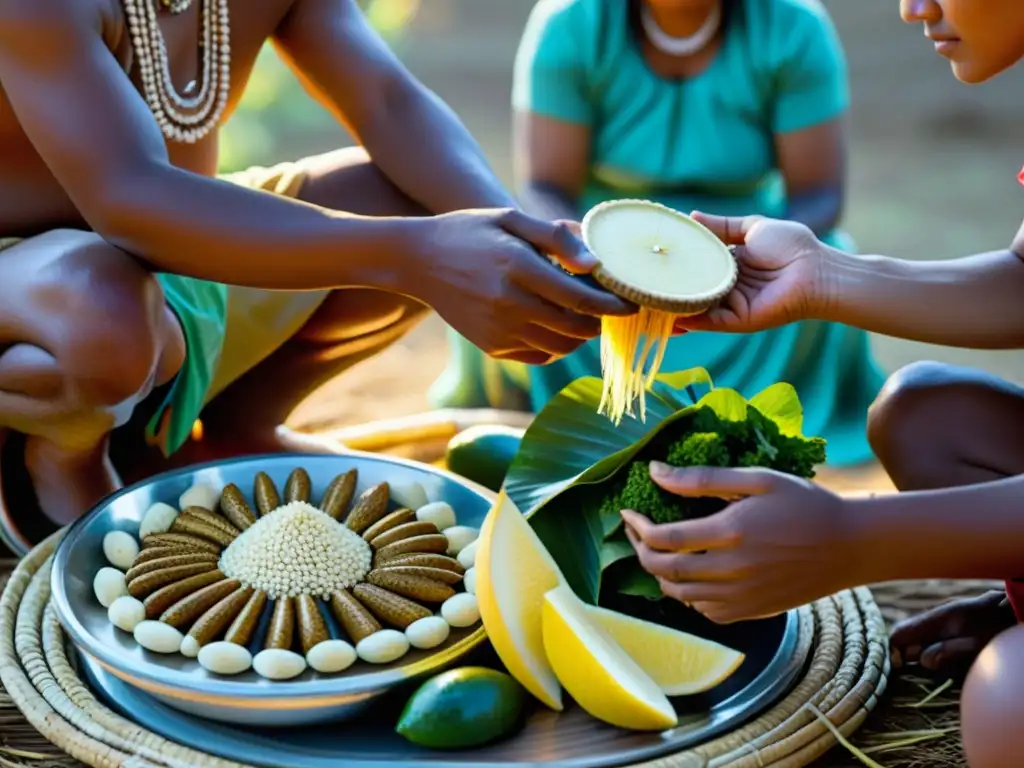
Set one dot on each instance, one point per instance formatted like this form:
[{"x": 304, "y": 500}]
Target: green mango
[
  {"x": 483, "y": 454},
  {"x": 463, "y": 708}
]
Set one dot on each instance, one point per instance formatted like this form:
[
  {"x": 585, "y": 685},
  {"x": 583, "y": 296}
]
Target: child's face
[{"x": 981, "y": 38}]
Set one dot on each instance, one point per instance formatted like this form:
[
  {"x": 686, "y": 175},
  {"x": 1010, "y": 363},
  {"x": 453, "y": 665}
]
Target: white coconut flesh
[{"x": 654, "y": 250}]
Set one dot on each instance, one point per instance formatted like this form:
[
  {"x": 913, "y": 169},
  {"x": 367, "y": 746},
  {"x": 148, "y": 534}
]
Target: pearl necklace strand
[
  {"x": 183, "y": 119},
  {"x": 680, "y": 46}
]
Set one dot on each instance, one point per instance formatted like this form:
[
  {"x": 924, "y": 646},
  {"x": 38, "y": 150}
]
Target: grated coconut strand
[{"x": 297, "y": 550}]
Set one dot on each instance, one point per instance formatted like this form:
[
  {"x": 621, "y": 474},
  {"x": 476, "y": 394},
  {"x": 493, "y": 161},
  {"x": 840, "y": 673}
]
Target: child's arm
[
  {"x": 786, "y": 275},
  {"x": 975, "y": 301},
  {"x": 785, "y": 542},
  {"x": 971, "y": 532}
]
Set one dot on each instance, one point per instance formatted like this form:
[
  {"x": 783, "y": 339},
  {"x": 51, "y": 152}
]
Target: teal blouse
[{"x": 707, "y": 143}]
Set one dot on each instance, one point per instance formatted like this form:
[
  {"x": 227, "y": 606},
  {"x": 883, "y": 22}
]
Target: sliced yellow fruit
[
  {"x": 596, "y": 671},
  {"x": 513, "y": 573},
  {"x": 681, "y": 664}
]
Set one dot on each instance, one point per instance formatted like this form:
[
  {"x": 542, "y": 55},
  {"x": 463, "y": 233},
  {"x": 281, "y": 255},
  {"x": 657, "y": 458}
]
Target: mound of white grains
[{"x": 295, "y": 550}]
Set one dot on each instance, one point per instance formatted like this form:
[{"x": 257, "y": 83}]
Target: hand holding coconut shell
[
  {"x": 781, "y": 278},
  {"x": 498, "y": 287},
  {"x": 667, "y": 264}
]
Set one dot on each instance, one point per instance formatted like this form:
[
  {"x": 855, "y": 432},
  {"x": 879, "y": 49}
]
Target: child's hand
[
  {"x": 781, "y": 275},
  {"x": 781, "y": 545}
]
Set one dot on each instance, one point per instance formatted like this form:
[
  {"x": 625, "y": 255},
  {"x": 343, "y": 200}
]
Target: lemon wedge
[
  {"x": 513, "y": 573},
  {"x": 596, "y": 671},
  {"x": 681, "y": 664}
]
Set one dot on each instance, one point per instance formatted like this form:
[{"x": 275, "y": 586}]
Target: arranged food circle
[{"x": 196, "y": 580}]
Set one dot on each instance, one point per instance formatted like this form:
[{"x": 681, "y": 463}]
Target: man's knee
[
  {"x": 992, "y": 704},
  {"x": 110, "y": 324}
]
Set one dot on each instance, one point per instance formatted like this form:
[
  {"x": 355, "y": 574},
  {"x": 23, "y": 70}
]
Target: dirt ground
[{"x": 932, "y": 171}]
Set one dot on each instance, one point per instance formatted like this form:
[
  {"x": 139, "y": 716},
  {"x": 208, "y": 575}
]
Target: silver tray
[
  {"x": 776, "y": 655},
  {"x": 181, "y": 683}
]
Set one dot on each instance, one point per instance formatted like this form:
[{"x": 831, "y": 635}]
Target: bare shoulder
[
  {"x": 335, "y": 13},
  {"x": 23, "y": 21}
]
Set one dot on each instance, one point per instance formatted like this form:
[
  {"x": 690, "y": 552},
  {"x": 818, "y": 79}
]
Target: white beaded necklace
[
  {"x": 184, "y": 119},
  {"x": 681, "y": 46}
]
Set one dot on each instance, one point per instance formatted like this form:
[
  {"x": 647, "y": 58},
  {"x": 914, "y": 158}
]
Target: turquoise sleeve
[
  {"x": 811, "y": 74},
  {"x": 550, "y": 72}
]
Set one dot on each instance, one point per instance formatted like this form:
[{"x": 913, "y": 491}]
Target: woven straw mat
[{"x": 50, "y": 719}]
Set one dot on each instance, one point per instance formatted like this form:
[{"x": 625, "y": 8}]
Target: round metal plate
[
  {"x": 776, "y": 654},
  {"x": 249, "y": 699}
]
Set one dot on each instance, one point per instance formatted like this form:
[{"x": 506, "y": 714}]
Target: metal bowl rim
[
  {"x": 769, "y": 686},
  {"x": 228, "y": 690}
]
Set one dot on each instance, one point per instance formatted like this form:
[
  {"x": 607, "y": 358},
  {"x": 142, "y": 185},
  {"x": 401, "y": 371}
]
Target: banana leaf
[{"x": 570, "y": 450}]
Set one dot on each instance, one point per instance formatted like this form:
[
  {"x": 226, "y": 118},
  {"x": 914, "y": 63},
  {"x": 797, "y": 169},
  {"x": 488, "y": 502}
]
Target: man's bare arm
[
  {"x": 100, "y": 141},
  {"x": 975, "y": 302},
  {"x": 412, "y": 136}
]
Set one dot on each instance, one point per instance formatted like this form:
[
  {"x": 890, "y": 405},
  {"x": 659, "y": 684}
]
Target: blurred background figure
[
  {"x": 931, "y": 166},
  {"x": 729, "y": 106}
]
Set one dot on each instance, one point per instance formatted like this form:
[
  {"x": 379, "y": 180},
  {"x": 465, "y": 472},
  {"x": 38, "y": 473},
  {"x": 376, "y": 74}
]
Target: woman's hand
[
  {"x": 782, "y": 544},
  {"x": 782, "y": 269}
]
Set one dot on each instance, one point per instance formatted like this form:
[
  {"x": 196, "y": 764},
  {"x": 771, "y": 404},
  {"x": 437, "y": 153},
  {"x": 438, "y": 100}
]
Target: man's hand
[
  {"x": 486, "y": 274},
  {"x": 781, "y": 545},
  {"x": 781, "y": 266}
]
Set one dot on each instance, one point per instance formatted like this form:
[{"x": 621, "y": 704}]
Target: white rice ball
[
  {"x": 126, "y": 613},
  {"x": 383, "y": 646},
  {"x": 461, "y": 610},
  {"x": 408, "y": 495},
  {"x": 158, "y": 519},
  {"x": 278, "y": 664},
  {"x": 440, "y": 513},
  {"x": 108, "y": 585},
  {"x": 120, "y": 549},
  {"x": 459, "y": 537},
  {"x": 469, "y": 580},
  {"x": 331, "y": 656},
  {"x": 225, "y": 658},
  {"x": 190, "y": 647},
  {"x": 158, "y": 637},
  {"x": 428, "y": 632},
  {"x": 200, "y": 495},
  {"x": 467, "y": 557}
]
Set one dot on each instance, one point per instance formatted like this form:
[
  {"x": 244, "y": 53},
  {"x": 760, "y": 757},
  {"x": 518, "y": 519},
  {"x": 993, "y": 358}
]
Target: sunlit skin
[
  {"x": 414, "y": 218},
  {"x": 949, "y": 437},
  {"x": 981, "y": 38},
  {"x": 680, "y": 18}
]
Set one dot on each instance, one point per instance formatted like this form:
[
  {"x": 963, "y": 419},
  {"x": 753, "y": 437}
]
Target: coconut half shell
[{"x": 657, "y": 257}]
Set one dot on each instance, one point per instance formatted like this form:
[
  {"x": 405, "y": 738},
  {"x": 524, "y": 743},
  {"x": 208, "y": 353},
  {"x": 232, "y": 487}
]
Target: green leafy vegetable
[
  {"x": 705, "y": 439},
  {"x": 575, "y": 470}
]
